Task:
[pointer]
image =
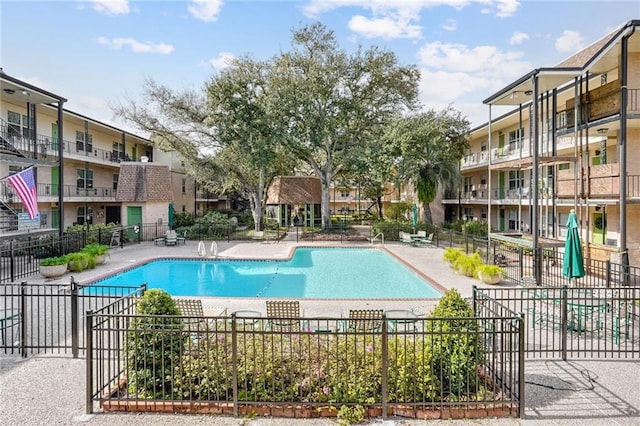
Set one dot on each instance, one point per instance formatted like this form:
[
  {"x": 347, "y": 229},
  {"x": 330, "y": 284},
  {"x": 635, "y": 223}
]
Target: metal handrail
[{"x": 376, "y": 236}]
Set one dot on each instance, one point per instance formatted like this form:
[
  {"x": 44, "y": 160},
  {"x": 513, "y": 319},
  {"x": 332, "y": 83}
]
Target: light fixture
[
  {"x": 528, "y": 92},
  {"x": 603, "y": 131},
  {"x": 9, "y": 91},
  {"x": 24, "y": 92}
]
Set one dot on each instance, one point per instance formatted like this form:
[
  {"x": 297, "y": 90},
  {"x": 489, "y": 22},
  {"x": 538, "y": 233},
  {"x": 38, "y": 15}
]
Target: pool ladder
[{"x": 380, "y": 234}]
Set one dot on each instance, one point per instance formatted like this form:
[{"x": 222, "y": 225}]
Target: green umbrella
[
  {"x": 572, "y": 262},
  {"x": 171, "y": 214},
  {"x": 415, "y": 217}
]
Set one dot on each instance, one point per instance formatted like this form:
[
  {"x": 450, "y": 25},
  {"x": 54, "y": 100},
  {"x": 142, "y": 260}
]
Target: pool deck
[{"x": 50, "y": 389}]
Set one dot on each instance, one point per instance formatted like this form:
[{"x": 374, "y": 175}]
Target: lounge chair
[
  {"x": 115, "y": 239},
  {"x": 284, "y": 315},
  {"x": 366, "y": 320},
  {"x": 162, "y": 239}
]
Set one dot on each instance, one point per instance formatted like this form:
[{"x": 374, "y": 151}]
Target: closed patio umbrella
[
  {"x": 415, "y": 217},
  {"x": 572, "y": 261}
]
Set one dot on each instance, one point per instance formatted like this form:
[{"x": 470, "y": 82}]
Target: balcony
[
  {"x": 604, "y": 182},
  {"x": 38, "y": 148},
  {"x": 49, "y": 192},
  {"x": 601, "y": 102},
  {"x": 209, "y": 196}
]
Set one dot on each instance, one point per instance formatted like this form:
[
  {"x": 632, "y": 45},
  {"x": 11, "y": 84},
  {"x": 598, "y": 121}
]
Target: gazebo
[{"x": 291, "y": 196}]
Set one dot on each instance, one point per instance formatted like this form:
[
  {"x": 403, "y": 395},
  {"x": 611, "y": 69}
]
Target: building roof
[
  {"x": 144, "y": 182},
  {"x": 294, "y": 190}
]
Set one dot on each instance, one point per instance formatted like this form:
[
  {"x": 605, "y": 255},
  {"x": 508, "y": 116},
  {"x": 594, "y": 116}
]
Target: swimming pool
[{"x": 323, "y": 273}]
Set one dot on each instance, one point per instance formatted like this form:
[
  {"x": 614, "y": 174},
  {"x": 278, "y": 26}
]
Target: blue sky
[{"x": 96, "y": 53}]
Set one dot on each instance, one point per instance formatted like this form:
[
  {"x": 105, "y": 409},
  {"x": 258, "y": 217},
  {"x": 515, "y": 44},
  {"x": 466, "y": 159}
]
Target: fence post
[
  {"x": 521, "y": 361},
  {"x": 89, "y": 364},
  {"x": 23, "y": 328},
  {"x": 473, "y": 292},
  {"x": 563, "y": 323},
  {"x": 234, "y": 363},
  {"x": 520, "y": 263},
  {"x": 608, "y": 275},
  {"x": 12, "y": 256},
  {"x": 384, "y": 366},
  {"x": 74, "y": 318}
]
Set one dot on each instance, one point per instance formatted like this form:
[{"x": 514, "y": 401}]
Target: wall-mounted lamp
[
  {"x": 9, "y": 91},
  {"x": 528, "y": 92},
  {"x": 603, "y": 131},
  {"x": 24, "y": 92}
]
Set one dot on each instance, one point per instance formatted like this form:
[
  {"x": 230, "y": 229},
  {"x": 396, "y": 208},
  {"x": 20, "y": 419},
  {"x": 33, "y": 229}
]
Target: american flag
[{"x": 25, "y": 186}]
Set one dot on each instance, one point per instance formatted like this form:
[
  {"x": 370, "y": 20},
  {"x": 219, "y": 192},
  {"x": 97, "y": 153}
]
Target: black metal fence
[
  {"x": 49, "y": 318},
  {"x": 563, "y": 322},
  {"x": 242, "y": 365}
]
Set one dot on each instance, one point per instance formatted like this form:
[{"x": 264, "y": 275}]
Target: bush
[
  {"x": 398, "y": 211},
  {"x": 451, "y": 254},
  {"x": 54, "y": 261},
  {"x": 456, "y": 346},
  {"x": 79, "y": 261},
  {"x": 96, "y": 249},
  {"x": 475, "y": 227},
  {"x": 153, "y": 347},
  {"x": 467, "y": 264}
]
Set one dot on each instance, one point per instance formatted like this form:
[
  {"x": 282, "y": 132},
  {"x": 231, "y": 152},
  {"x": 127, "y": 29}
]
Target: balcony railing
[
  {"x": 601, "y": 104},
  {"x": 46, "y": 190}
]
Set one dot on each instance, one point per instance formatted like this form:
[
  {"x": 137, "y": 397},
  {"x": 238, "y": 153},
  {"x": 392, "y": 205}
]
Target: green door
[
  {"x": 501, "y": 150},
  {"x": 502, "y": 220},
  {"x": 501, "y": 186},
  {"x": 55, "y": 175},
  {"x": 134, "y": 217},
  {"x": 55, "y": 220},
  {"x": 599, "y": 227},
  {"x": 134, "y": 153}
]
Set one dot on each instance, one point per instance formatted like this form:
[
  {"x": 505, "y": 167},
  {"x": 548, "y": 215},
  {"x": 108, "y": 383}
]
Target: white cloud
[
  {"x": 385, "y": 27},
  {"x": 450, "y": 25},
  {"x": 569, "y": 41},
  {"x": 111, "y": 7},
  {"x": 136, "y": 46},
  {"x": 518, "y": 38},
  {"x": 222, "y": 61},
  {"x": 91, "y": 102},
  {"x": 205, "y": 10},
  {"x": 506, "y": 8}
]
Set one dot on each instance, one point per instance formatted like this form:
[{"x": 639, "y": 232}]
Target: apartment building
[
  {"x": 572, "y": 141},
  {"x": 76, "y": 159}
]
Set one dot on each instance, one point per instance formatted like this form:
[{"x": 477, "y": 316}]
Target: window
[
  {"x": 516, "y": 179},
  {"x": 84, "y": 178},
  {"x": 117, "y": 151},
  {"x": 515, "y": 137},
  {"x": 344, "y": 193},
  {"x": 84, "y": 213},
  {"x": 483, "y": 180},
  {"x": 18, "y": 124},
  {"x": 82, "y": 144},
  {"x": 467, "y": 213},
  {"x": 513, "y": 220},
  {"x": 184, "y": 186},
  {"x": 184, "y": 209},
  {"x": 116, "y": 176},
  {"x": 467, "y": 183},
  {"x": 483, "y": 147},
  {"x": 564, "y": 166}
]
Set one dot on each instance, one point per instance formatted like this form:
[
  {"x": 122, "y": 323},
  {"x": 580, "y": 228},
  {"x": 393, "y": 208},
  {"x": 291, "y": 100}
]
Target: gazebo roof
[{"x": 294, "y": 190}]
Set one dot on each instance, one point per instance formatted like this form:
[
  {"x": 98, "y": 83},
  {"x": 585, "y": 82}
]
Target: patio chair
[
  {"x": 405, "y": 238},
  {"x": 115, "y": 239},
  {"x": 283, "y": 315},
  {"x": 421, "y": 238},
  {"x": 162, "y": 239},
  {"x": 171, "y": 239},
  {"x": 366, "y": 320},
  {"x": 191, "y": 308}
]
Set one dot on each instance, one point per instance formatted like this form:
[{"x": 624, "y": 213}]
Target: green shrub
[
  {"x": 467, "y": 264},
  {"x": 96, "y": 249},
  {"x": 79, "y": 261},
  {"x": 350, "y": 415},
  {"x": 398, "y": 211},
  {"x": 53, "y": 261},
  {"x": 451, "y": 254},
  {"x": 456, "y": 346},
  {"x": 475, "y": 227},
  {"x": 153, "y": 347},
  {"x": 490, "y": 270}
]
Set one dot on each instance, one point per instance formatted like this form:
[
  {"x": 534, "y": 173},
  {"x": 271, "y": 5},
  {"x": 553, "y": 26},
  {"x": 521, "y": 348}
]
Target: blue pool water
[{"x": 334, "y": 273}]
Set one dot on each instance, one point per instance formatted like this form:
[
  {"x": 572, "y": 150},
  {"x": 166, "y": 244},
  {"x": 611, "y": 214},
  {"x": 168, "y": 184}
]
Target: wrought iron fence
[
  {"x": 448, "y": 367},
  {"x": 49, "y": 318},
  {"x": 595, "y": 322}
]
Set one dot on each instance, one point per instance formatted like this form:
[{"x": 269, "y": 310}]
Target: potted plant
[
  {"x": 78, "y": 261},
  {"x": 490, "y": 274},
  {"x": 53, "y": 266},
  {"x": 99, "y": 251}
]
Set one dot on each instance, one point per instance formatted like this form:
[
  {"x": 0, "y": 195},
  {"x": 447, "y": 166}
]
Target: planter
[
  {"x": 489, "y": 278},
  {"x": 100, "y": 259},
  {"x": 53, "y": 271}
]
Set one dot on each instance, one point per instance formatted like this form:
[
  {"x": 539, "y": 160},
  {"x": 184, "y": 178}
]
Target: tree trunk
[
  {"x": 379, "y": 207},
  {"x": 325, "y": 207},
  {"x": 257, "y": 203},
  {"x": 428, "y": 217}
]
